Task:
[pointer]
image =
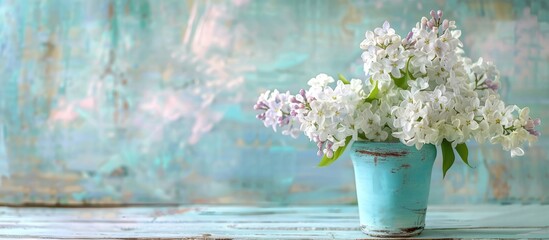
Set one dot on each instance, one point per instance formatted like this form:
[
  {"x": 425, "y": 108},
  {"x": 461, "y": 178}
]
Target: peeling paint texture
[{"x": 112, "y": 102}]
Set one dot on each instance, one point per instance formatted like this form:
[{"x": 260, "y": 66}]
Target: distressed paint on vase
[{"x": 392, "y": 185}]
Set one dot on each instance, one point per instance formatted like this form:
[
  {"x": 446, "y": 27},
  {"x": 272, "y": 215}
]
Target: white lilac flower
[
  {"x": 437, "y": 73},
  {"x": 438, "y": 98},
  {"x": 385, "y": 115},
  {"x": 419, "y": 63},
  {"x": 380, "y": 71},
  {"x": 386, "y": 30},
  {"x": 483, "y": 132},
  {"x": 371, "y": 122},
  {"x": 321, "y": 80},
  {"x": 377, "y": 135},
  {"x": 469, "y": 123},
  {"x": 419, "y": 84}
]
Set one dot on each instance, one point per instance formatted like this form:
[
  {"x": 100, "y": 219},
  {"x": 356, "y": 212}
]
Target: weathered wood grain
[{"x": 209, "y": 222}]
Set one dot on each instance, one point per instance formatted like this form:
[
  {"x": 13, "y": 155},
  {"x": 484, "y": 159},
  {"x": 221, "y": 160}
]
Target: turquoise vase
[{"x": 392, "y": 186}]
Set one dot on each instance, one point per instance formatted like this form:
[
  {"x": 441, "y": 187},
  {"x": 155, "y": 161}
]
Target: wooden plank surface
[{"x": 232, "y": 222}]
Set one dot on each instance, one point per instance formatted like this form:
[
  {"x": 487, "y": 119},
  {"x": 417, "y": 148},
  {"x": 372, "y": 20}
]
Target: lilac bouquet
[{"x": 420, "y": 89}]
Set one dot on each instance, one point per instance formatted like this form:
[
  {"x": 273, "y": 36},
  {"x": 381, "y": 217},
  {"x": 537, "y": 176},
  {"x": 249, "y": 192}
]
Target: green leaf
[
  {"x": 448, "y": 156},
  {"x": 373, "y": 94},
  {"x": 401, "y": 82},
  {"x": 410, "y": 76},
  {"x": 463, "y": 152},
  {"x": 362, "y": 136},
  {"x": 343, "y": 79},
  {"x": 326, "y": 161}
]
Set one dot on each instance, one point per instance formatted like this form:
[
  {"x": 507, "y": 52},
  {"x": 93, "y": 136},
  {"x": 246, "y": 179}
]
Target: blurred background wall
[{"x": 143, "y": 101}]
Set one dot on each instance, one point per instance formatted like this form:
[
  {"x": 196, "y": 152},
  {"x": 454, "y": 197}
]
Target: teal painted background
[{"x": 151, "y": 101}]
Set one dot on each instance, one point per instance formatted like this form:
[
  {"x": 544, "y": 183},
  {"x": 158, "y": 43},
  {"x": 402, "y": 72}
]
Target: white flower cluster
[
  {"x": 449, "y": 97},
  {"x": 328, "y": 115},
  {"x": 420, "y": 90},
  {"x": 276, "y": 112}
]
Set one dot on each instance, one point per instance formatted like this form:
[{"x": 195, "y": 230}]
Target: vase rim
[{"x": 385, "y": 146}]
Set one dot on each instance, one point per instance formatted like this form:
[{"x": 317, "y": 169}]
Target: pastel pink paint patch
[
  {"x": 87, "y": 103},
  {"x": 64, "y": 114}
]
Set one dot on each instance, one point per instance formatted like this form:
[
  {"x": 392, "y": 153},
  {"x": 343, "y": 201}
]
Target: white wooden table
[{"x": 217, "y": 222}]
